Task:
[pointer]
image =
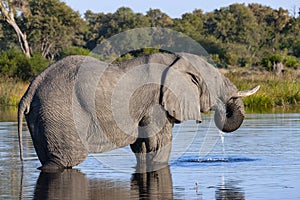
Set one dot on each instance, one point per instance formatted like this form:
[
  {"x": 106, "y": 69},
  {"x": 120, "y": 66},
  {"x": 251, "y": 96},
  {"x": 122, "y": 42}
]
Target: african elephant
[{"x": 80, "y": 105}]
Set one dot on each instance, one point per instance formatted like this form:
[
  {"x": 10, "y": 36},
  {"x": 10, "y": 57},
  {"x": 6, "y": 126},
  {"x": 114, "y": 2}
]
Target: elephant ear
[{"x": 184, "y": 92}]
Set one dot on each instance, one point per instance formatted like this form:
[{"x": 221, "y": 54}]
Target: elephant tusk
[{"x": 246, "y": 93}]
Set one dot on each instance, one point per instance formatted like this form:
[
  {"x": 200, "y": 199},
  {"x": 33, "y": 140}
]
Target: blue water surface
[{"x": 261, "y": 160}]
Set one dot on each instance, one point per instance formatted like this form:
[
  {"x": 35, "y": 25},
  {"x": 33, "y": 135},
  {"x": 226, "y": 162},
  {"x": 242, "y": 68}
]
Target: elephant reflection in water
[
  {"x": 153, "y": 184},
  {"x": 229, "y": 190},
  {"x": 73, "y": 184}
]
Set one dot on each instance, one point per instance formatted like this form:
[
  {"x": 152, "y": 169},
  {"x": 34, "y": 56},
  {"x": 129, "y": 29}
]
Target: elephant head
[{"x": 209, "y": 90}]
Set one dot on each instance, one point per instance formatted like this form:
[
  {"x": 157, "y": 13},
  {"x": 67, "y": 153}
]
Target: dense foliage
[{"x": 240, "y": 35}]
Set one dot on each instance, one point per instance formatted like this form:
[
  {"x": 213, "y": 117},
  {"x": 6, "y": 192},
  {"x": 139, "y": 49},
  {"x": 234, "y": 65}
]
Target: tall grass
[
  {"x": 275, "y": 91},
  {"x": 11, "y": 91}
]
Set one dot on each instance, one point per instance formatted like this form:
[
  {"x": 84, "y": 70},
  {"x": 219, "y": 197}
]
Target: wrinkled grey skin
[{"x": 65, "y": 124}]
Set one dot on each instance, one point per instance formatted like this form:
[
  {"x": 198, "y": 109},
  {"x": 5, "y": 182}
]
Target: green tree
[
  {"x": 159, "y": 19},
  {"x": 106, "y": 25},
  {"x": 53, "y": 26},
  {"x": 191, "y": 24},
  {"x": 8, "y": 37},
  {"x": 235, "y": 23},
  {"x": 14, "y": 64},
  {"x": 9, "y": 9},
  {"x": 290, "y": 38},
  {"x": 237, "y": 29},
  {"x": 296, "y": 48},
  {"x": 272, "y": 25}
]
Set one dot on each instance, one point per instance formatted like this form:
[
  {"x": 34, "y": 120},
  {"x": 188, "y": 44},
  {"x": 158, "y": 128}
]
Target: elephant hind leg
[
  {"x": 58, "y": 163},
  {"x": 54, "y": 163},
  {"x": 51, "y": 166},
  {"x": 59, "y": 149}
]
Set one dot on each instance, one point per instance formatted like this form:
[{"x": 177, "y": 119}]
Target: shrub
[
  {"x": 36, "y": 64},
  {"x": 244, "y": 61},
  {"x": 217, "y": 62},
  {"x": 268, "y": 61},
  {"x": 291, "y": 61},
  {"x": 296, "y": 49},
  {"x": 74, "y": 50},
  {"x": 127, "y": 56},
  {"x": 9, "y": 62},
  {"x": 14, "y": 64}
]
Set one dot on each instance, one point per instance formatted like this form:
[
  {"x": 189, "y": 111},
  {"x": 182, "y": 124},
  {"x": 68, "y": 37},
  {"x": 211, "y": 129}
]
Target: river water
[{"x": 259, "y": 161}]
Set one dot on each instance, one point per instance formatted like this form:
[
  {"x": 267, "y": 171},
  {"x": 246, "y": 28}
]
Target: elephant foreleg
[{"x": 155, "y": 149}]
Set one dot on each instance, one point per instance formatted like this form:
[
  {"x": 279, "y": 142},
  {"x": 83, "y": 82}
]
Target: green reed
[
  {"x": 11, "y": 91},
  {"x": 276, "y": 91}
]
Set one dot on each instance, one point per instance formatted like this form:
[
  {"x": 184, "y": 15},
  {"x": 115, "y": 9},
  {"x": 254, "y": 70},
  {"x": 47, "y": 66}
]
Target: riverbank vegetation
[
  {"x": 276, "y": 91},
  {"x": 242, "y": 39},
  {"x": 11, "y": 91}
]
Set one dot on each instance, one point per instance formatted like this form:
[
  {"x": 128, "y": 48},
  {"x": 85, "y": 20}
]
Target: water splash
[
  {"x": 205, "y": 157},
  {"x": 222, "y": 136},
  {"x": 210, "y": 140}
]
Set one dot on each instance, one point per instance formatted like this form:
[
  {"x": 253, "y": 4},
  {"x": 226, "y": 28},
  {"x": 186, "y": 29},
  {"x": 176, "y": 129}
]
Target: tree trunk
[
  {"x": 9, "y": 18},
  {"x": 22, "y": 39}
]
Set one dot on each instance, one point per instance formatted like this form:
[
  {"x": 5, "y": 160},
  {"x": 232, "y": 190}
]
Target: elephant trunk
[{"x": 229, "y": 116}]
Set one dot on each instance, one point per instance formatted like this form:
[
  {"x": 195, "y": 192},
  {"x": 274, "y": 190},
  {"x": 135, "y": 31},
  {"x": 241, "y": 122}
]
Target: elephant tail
[{"x": 23, "y": 108}]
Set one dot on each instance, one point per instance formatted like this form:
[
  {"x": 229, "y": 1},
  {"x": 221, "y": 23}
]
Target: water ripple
[{"x": 214, "y": 159}]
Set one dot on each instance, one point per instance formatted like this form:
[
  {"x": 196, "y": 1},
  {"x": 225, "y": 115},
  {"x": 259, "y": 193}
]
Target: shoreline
[{"x": 9, "y": 113}]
